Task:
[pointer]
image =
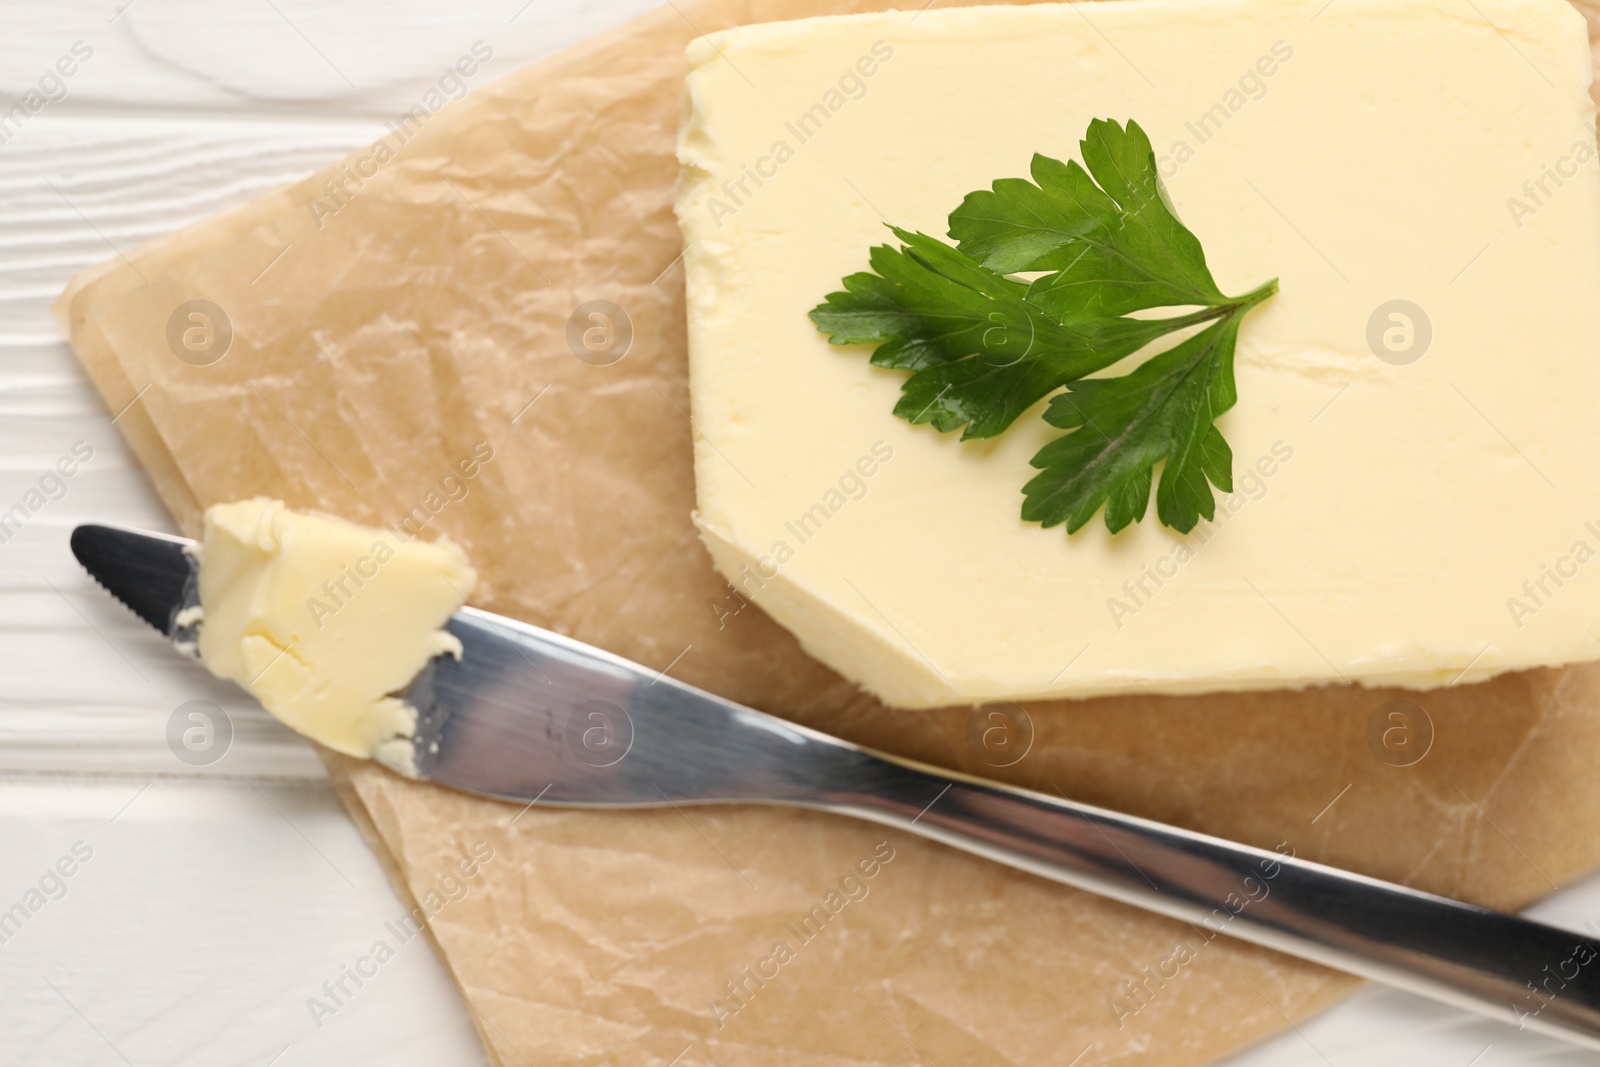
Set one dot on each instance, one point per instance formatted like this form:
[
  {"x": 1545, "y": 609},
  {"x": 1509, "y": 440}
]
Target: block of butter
[{"x": 1414, "y": 444}]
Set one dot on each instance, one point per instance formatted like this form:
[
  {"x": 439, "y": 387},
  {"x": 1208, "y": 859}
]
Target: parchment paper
[{"x": 429, "y": 314}]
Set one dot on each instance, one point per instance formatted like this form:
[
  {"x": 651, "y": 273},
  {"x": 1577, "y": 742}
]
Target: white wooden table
[{"x": 216, "y": 899}]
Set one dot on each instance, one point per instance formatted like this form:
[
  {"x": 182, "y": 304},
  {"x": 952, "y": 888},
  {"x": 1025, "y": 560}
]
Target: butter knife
[{"x": 529, "y": 716}]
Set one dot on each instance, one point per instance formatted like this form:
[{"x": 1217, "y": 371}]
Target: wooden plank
[
  {"x": 353, "y": 57},
  {"x": 197, "y": 922},
  {"x": 91, "y": 687}
]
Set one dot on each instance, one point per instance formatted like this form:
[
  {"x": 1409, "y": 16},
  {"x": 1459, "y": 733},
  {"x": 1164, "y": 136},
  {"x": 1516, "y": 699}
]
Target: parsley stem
[
  {"x": 1253, "y": 297},
  {"x": 1235, "y": 306}
]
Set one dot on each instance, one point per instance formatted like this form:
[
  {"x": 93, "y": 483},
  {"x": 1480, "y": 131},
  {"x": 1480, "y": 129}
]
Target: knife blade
[{"x": 531, "y": 716}]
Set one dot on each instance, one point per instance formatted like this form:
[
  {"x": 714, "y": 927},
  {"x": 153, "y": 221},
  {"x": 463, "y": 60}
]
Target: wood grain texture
[
  {"x": 161, "y": 98},
  {"x": 204, "y": 917},
  {"x": 212, "y": 909}
]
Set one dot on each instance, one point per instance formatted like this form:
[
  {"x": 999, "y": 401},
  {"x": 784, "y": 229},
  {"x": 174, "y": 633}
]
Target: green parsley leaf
[
  {"x": 1113, "y": 248},
  {"x": 984, "y": 346},
  {"x": 929, "y": 308},
  {"x": 1165, "y": 410}
]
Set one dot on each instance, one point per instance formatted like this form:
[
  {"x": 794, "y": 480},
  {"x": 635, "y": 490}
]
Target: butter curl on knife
[{"x": 323, "y": 620}]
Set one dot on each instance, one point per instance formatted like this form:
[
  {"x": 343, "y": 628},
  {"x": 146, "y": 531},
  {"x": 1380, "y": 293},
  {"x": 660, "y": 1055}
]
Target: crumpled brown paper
[{"x": 423, "y": 310}]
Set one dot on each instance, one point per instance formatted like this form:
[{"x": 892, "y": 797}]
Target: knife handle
[{"x": 1520, "y": 972}]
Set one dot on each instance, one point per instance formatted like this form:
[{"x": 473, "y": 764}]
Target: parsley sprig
[{"x": 983, "y": 345}]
